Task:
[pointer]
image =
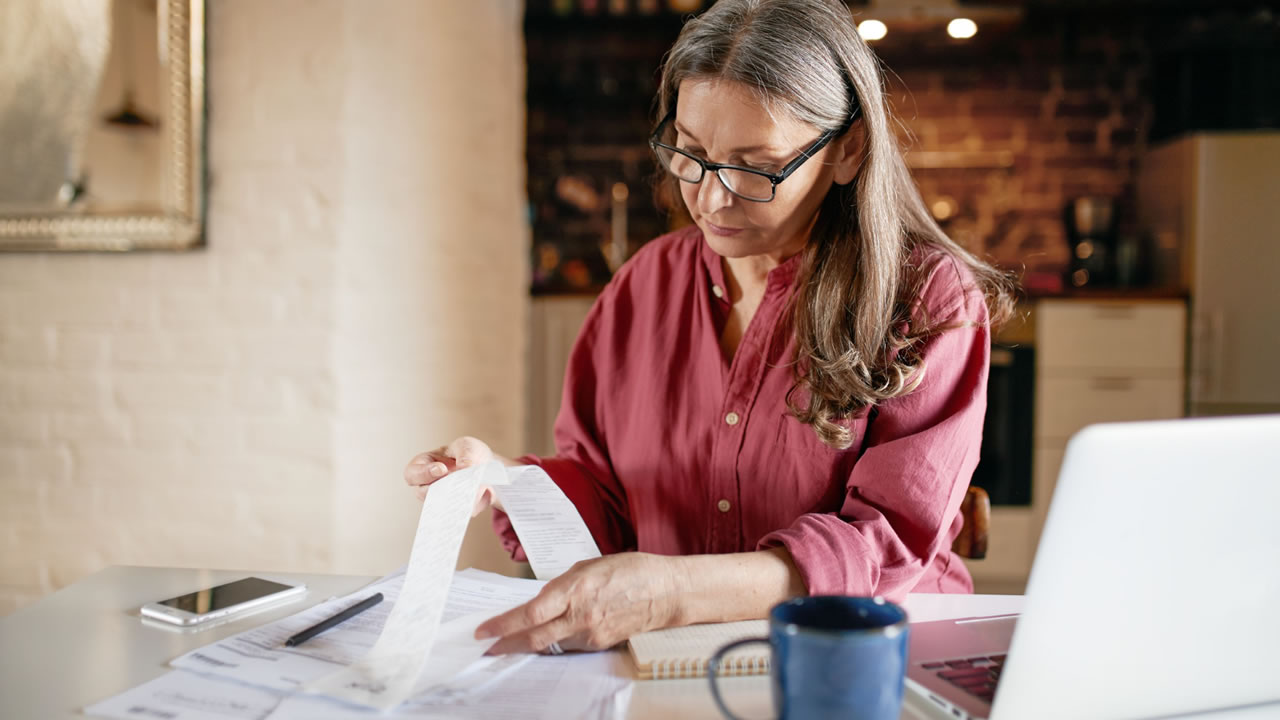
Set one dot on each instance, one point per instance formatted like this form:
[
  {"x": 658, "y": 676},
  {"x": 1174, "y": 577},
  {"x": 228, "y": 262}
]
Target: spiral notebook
[{"x": 685, "y": 651}]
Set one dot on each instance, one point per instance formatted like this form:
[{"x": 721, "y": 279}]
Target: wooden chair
[{"x": 971, "y": 543}]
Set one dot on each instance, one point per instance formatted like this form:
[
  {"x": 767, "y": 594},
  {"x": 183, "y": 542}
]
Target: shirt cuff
[
  {"x": 828, "y": 562},
  {"x": 834, "y": 559}
]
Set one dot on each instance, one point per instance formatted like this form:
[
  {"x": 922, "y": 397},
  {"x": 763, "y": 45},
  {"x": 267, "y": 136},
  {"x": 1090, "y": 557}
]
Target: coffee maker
[{"x": 1090, "y": 222}]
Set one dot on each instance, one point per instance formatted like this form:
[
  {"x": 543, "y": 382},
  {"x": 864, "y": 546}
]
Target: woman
[{"x": 786, "y": 397}]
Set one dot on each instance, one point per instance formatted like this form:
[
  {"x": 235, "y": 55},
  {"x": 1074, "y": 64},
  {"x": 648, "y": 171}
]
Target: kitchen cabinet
[
  {"x": 1210, "y": 202},
  {"x": 1112, "y": 360}
]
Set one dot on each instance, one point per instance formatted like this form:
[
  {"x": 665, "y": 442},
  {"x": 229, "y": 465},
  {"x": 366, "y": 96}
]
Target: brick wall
[
  {"x": 1064, "y": 94},
  {"x": 251, "y": 405},
  {"x": 1064, "y": 98}
]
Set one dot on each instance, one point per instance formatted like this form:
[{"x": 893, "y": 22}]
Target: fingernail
[
  {"x": 483, "y": 634},
  {"x": 437, "y": 470}
]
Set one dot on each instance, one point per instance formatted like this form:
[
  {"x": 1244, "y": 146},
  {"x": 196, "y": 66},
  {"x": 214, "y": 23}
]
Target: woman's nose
[{"x": 712, "y": 194}]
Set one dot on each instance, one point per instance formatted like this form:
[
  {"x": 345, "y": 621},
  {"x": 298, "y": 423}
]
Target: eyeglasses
[{"x": 746, "y": 183}]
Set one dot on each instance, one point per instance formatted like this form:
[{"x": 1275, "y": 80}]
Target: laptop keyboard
[{"x": 977, "y": 676}]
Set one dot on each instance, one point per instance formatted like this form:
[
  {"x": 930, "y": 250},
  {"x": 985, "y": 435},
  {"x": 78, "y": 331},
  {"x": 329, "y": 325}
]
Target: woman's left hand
[{"x": 595, "y": 605}]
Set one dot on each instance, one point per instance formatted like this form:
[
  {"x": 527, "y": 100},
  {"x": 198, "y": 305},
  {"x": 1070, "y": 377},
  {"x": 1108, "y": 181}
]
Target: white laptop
[{"x": 1155, "y": 589}]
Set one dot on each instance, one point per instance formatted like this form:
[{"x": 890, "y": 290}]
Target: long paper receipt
[{"x": 550, "y": 530}]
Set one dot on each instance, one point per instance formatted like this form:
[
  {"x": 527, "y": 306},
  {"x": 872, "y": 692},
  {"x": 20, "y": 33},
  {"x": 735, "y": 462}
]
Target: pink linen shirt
[{"x": 665, "y": 446}]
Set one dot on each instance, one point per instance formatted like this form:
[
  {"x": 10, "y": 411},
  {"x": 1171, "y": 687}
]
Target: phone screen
[{"x": 224, "y": 596}]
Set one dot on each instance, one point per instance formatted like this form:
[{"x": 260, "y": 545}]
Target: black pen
[{"x": 329, "y": 622}]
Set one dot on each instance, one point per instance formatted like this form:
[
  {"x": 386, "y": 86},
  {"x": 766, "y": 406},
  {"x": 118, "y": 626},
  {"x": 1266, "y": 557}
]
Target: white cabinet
[
  {"x": 1077, "y": 338},
  {"x": 1102, "y": 361},
  {"x": 1096, "y": 361},
  {"x": 1065, "y": 404},
  {"x": 1210, "y": 200}
]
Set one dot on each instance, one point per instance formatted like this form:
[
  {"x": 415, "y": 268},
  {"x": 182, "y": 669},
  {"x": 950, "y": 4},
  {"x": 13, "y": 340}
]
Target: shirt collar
[
  {"x": 715, "y": 268},
  {"x": 781, "y": 275},
  {"x": 786, "y": 271}
]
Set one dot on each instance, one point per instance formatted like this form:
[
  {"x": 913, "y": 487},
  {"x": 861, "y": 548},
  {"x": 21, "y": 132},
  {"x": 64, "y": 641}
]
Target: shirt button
[
  {"x": 715, "y": 290},
  {"x": 723, "y": 506},
  {"x": 732, "y": 418}
]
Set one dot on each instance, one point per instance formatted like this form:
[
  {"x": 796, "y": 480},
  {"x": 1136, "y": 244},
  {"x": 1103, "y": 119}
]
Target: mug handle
[{"x": 715, "y": 663}]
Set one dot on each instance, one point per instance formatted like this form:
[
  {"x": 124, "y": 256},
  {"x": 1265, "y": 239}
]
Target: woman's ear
[{"x": 847, "y": 154}]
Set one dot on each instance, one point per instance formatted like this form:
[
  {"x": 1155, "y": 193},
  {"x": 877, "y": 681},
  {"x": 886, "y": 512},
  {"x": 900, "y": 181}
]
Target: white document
[
  {"x": 551, "y": 531},
  {"x": 259, "y": 657},
  {"x": 183, "y": 695},
  {"x": 388, "y": 674},
  {"x": 422, "y": 635},
  {"x": 594, "y": 686},
  {"x": 475, "y": 591}
]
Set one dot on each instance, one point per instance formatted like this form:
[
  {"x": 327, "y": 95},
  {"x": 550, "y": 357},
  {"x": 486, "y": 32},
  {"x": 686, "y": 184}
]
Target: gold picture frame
[{"x": 173, "y": 216}]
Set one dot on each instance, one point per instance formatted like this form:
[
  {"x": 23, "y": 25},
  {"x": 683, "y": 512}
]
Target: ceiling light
[
  {"x": 928, "y": 16},
  {"x": 872, "y": 29},
  {"x": 962, "y": 28}
]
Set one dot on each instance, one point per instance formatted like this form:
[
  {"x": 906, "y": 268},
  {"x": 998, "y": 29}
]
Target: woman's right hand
[{"x": 428, "y": 467}]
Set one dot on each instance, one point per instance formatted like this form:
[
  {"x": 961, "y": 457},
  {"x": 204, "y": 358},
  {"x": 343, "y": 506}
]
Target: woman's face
[{"x": 723, "y": 122}]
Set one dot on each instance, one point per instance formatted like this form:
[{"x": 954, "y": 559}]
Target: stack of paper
[
  {"x": 251, "y": 676},
  {"x": 415, "y": 653}
]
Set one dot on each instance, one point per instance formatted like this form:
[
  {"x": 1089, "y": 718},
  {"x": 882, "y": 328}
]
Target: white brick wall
[{"x": 252, "y": 404}]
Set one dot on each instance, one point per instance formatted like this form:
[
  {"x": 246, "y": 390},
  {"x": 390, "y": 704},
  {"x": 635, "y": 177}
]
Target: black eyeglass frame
[{"x": 714, "y": 168}]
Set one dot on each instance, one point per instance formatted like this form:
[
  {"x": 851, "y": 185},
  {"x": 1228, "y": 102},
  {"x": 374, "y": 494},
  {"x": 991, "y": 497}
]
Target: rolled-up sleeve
[
  {"x": 581, "y": 466},
  {"x": 901, "y": 506}
]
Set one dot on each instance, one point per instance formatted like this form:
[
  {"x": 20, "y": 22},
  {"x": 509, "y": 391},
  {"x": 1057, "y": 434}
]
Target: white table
[{"x": 87, "y": 642}]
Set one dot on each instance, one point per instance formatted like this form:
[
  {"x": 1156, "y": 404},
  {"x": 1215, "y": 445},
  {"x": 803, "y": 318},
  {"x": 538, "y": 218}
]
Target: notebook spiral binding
[{"x": 697, "y": 667}]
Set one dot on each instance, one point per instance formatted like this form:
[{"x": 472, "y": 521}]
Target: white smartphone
[{"x": 221, "y": 601}]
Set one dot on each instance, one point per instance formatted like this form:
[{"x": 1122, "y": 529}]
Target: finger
[
  {"x": 423, "y": 458},
  {"x": 537, "y": 639},
  {"x": 425, "y": 474},
  {"x": 416, "y": 466},
  {"x": 577, "y": 642},
  {"x": 428, "y": 467},
  {"x": 484, "y": 498},
  {"x": 469, "y": 451},
  {"x": 460, "y": 450},
  {"x": 547, "y": 606}
]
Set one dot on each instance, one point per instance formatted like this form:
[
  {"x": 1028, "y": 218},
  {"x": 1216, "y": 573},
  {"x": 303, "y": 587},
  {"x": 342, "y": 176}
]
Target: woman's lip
[{"x": 718, "y": 230}]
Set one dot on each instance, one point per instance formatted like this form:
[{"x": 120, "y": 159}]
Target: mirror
[{"x": 102, "y": 129}]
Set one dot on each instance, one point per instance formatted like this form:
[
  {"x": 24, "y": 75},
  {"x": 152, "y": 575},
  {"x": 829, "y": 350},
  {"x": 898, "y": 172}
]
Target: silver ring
[{"x": 555, "y": 649}]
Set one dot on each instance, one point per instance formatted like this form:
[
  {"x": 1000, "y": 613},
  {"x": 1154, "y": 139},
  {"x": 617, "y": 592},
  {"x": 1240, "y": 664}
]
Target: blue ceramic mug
[{"x": 832, "y": 657}]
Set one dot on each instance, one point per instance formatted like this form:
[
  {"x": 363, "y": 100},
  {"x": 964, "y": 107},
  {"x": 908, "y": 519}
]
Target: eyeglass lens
[{"x": 749, "y": 185}]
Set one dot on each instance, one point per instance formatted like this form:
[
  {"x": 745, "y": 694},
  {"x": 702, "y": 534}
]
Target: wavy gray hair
[{"x": 857, "y": 342}]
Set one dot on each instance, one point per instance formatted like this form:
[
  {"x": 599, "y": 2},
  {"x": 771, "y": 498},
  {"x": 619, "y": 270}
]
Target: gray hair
[{"x": 855, "y": 290}]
